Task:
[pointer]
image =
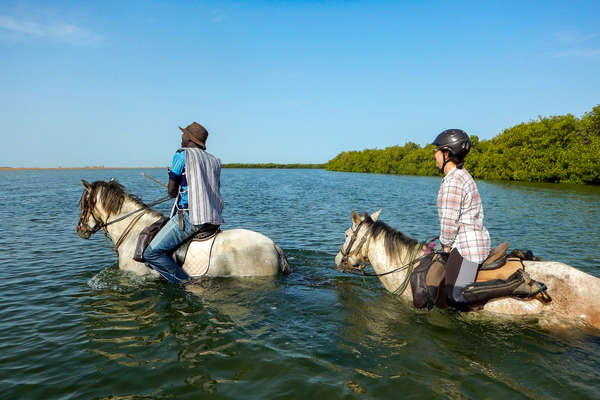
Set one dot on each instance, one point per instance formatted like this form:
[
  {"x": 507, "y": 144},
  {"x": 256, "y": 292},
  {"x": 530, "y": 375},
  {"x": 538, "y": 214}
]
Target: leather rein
[
  {"x": 348, "y": 252},
  {"x": 87, "y": 209}
]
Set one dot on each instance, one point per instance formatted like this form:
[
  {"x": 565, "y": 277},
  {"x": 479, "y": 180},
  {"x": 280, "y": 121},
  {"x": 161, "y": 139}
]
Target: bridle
[
  {"x": 344, "y": 266},
  {"x": 88, "y": 204},
  {"x": 348, "y": 252}
]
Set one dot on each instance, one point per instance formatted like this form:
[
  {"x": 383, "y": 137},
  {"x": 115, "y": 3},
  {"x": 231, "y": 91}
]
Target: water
[{"x": 72, "y": 326}]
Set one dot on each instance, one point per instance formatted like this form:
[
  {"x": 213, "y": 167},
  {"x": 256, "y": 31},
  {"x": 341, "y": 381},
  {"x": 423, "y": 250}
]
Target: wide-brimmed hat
[{"x": 197, "y": 133}]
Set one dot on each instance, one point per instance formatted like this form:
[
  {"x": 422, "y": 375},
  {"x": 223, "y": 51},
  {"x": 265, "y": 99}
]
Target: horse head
[
  {"x": 351, "y": 255},
  {"x": 88, "y": 223},
  {"x": 98, "y": 202}
]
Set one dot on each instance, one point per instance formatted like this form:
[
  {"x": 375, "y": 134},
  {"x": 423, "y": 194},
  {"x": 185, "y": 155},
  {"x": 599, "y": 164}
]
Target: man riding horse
[
  {"x": 195, "y": 181},
  {"x": 462, "y": 233}
]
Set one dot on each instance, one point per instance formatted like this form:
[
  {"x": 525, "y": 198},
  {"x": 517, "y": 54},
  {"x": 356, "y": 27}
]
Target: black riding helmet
[{"x": 455, "y": 141}]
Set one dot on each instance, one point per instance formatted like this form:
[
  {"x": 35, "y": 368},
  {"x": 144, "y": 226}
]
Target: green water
[{"x": 72, "y": 326}]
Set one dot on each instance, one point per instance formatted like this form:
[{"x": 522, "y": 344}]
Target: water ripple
[{"x": 72, "y": 325}]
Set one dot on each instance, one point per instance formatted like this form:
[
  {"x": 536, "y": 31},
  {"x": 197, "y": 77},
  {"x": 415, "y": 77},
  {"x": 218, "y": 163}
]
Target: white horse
[
  {"x": 574, "y": 293},
  {"x": 235, "y": 252}
]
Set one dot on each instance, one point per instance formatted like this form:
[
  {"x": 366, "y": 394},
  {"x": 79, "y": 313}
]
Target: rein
[
  {"x": 161, "y": 200},
  {"x": 89, "y": 209},
  {"x": 348, "y": 252}
]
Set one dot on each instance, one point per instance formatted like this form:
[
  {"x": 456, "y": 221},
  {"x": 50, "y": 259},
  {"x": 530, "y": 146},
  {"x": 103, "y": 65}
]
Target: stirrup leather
[{"x": 519, "y": 285}]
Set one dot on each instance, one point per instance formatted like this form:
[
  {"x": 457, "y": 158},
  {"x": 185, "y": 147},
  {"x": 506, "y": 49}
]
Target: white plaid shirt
[{"x": 461, "y": 216}]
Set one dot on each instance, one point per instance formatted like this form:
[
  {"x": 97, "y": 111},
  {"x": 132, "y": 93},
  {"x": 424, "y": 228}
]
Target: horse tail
[{"x": 283, "y": 262}]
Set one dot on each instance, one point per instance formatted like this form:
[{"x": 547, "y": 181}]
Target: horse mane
[
  {"x": 394, "y": 241},
  {"x": 113, "y": 195}
]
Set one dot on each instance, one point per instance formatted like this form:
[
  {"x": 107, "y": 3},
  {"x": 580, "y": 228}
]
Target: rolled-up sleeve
[{"x": 449, "y": 204}]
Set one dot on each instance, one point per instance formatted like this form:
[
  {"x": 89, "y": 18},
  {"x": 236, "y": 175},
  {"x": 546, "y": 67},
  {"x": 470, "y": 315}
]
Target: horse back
[{"x": 234, "y": 252}]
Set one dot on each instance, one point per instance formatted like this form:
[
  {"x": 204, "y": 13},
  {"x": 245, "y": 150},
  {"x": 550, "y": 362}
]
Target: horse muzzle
[
  {"x": 83, "y": 232},
  {"x": 342, "y": 264}
]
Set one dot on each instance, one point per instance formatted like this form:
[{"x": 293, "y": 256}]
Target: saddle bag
[
  {"x": 146, "y": 237},
  {"x": 427, "y": 279}
]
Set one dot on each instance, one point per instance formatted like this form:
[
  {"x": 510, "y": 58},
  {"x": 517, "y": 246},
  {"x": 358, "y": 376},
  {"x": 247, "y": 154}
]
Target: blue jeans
[{"x": 158, "y": 252}]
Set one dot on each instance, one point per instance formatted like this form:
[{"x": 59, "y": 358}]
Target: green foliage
[{"x": 554, "y": 149}]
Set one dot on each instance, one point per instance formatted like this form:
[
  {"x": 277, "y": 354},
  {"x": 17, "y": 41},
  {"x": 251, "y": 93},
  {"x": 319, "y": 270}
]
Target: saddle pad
[{"x": 196, "y": 259}]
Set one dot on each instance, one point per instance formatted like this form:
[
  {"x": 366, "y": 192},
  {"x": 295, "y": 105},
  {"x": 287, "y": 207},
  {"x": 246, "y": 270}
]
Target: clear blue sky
[{"x": 108, "y": 83}]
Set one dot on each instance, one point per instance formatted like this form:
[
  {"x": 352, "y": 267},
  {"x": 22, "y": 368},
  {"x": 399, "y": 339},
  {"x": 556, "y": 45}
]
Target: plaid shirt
[{"x": 461, "y": 216}]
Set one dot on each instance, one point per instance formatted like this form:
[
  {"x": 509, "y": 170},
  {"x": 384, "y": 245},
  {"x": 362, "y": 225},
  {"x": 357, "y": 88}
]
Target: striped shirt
[
  {"x": 461, "y": 216},
  {"x": 201, "y": 195}
]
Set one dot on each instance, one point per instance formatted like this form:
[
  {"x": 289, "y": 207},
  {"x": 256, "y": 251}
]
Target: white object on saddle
[{"x": 196, "y": 262}]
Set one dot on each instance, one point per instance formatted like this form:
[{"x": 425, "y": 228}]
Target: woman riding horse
[{"x": 462, "y": 233}]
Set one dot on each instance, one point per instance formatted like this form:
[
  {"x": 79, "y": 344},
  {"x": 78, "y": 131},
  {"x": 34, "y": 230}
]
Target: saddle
[
  {"x": 148, "y": 233},
  {"x": 498, "y": 265},
  {"x": 496, "y": 277}
]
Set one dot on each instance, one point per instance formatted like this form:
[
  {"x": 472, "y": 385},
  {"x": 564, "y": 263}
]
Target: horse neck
[
  {"x": 117, "y": 229},
  {"x": 383, "y": 263}
]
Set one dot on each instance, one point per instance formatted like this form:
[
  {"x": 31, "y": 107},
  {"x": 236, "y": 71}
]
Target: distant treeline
[
  {"x": 274, "y": 166},
  {"x": 561, "y": 148}
]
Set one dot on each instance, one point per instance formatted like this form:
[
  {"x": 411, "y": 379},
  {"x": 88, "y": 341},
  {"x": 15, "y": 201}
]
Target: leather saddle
[
  {"x": 499, "y": 265},
  {"x": 178, "y": 255}
]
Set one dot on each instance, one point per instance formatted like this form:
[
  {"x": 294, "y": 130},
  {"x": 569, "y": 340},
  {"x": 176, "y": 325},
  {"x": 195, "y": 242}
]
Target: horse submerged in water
[
  {"x": 234, "y": 252},
  {"x": 574, "y": 293}
]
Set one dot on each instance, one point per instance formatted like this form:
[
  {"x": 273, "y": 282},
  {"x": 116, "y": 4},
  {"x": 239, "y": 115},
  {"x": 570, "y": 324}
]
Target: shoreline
[
  {"x": 67, "y": 168},
  {"x": 228, "y": 165}
]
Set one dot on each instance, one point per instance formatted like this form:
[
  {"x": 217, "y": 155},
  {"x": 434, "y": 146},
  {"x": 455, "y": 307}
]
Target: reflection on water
[{"x": 74, "y": 326}]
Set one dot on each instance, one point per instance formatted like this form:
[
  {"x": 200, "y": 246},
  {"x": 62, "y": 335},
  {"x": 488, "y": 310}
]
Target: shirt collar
[{"x": 450, "y": 174}]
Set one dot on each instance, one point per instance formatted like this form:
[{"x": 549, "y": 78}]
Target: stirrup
[{"x": 534, "y": 287}]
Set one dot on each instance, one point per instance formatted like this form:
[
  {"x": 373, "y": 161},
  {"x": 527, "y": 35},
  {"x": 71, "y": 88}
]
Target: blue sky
[{"x": 108, "y": 83}]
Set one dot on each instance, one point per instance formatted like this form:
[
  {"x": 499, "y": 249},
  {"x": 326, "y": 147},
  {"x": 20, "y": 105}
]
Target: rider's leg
[
  {"x": 158, "y": 252},
  {"x": 460, "y": 273},
  {"x": 519, "y": 284},
  {"x": 461, "y": 288}
]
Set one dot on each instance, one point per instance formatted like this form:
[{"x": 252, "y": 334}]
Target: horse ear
[
  {"x": 86, "y": 184},
  {"x": 355, "y": 218},
  {"x": 375, "y": 215}
]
